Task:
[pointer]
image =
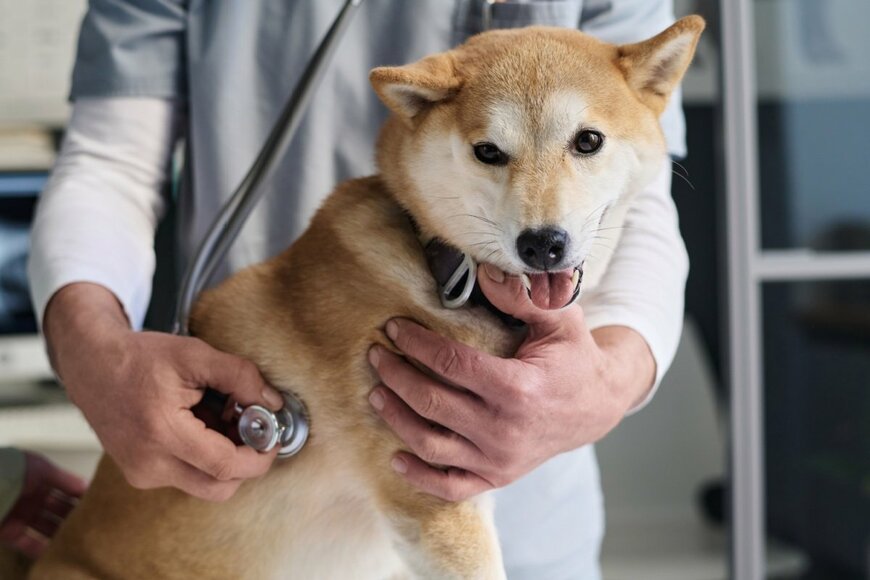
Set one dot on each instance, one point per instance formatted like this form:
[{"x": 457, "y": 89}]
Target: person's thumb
[
  {"x": 240, "y": 379},
  {"x": 508, "y": 294}
]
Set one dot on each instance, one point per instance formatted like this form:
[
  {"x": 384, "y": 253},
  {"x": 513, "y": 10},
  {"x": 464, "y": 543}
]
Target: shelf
[
  {"x": 29, "y": 184},
  {"x": 800, "y": 264}
]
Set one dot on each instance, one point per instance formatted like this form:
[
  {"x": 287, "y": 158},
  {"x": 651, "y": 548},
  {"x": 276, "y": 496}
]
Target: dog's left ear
[
  {"x": 411, "y": 89},
  {"x": 654, "y": 67}
]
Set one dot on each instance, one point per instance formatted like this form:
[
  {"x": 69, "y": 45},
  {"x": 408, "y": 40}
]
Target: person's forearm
[
  {"x": 78, "y": 315},
  {"x": 632, "y": 367}
]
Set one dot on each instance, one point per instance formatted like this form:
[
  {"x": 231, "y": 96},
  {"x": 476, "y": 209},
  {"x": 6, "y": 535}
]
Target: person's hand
[
  {"x": 48, "y": 494},
  {"x": 566, "y": 387},
  {"x": 136, "y": 390}
]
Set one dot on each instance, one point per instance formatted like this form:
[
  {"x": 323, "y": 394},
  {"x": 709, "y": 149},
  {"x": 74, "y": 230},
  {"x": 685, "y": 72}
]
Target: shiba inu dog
[{"x": 512, "y": 149}]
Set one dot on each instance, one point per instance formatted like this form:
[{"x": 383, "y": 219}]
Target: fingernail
[
  {"x": 392, "y": 329},
  {"x": 272, "y": 398},
  {"x": 376, "y": 398},
  {"x": 495, "y": 274},
  {"x": 399, "y": 464},
  {"x": 374, "y": 355},
  {"x": 527, "y": 284}
]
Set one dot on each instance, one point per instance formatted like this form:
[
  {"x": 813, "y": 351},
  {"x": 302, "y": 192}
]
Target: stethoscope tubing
[
  {"x": 292, "y": 420},
  {"x": 233, "y": 215}
]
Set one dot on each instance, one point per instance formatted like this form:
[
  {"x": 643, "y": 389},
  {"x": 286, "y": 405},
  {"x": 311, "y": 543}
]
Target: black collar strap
[{"x": 455, "y": 274}]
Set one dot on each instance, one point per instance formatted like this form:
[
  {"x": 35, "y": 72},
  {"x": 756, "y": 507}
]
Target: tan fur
[{"x": 308, "y": 317}]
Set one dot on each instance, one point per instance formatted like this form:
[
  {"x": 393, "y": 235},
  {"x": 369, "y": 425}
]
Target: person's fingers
[
  {"x": 508, "y": 294},
  {"x": 58, "y": 502},
  {"x": 31, "y": 543},
  {"x": 234, "y": 376},
  {"x": 169, "y": 471},
  {"x": 214, "y": 454},
  {"x": 46, "y": 523},
  {"x": 458, "y": 411},
  {"x": 18, "y": 534},
  {"x": 194, "y": 482},
  {"x": 449, "y": 484},
  {"x": 430, "y": 443},
  {"x": 481, "y": 373}
]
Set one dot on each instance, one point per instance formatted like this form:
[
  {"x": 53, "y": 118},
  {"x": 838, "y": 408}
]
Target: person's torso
[{"x": 243, "y": 61}]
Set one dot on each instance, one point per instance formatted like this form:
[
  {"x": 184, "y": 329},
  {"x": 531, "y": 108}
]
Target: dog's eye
[
  {"x": 588, "y": 142},
  {"x": 490, "y": 154}
]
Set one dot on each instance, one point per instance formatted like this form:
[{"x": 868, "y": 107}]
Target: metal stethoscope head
[
  {"x": 263, "y": 429},
  {"x": 258, "y": 427}
]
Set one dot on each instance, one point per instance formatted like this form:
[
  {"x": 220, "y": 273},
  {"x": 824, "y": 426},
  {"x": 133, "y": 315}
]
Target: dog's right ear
[{"x": 411, "y": 89}]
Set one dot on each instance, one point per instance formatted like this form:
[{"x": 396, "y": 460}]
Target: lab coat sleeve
[
  {"x": 131, "y": 48},
  {"x": 644, "y": 285},
  {"x": 96, "y": 219}
]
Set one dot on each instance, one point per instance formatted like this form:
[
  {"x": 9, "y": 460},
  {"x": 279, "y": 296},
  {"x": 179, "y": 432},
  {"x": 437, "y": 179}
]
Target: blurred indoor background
[{"x": 754, "y": 458}]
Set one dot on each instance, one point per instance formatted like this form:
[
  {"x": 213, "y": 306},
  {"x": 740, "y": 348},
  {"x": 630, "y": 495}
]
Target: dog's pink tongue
[{"x": 551, "y": 290}]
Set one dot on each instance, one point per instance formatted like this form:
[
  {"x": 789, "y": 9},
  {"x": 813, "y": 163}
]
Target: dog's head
[{"x": 513, "y": 146}]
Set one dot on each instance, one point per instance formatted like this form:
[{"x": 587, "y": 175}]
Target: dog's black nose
[{"x": 542, "y": 249}]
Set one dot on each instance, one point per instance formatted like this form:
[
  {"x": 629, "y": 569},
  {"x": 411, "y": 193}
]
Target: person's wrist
[
  {"x": 629, "y": 364},
  {"x": 79, "y": 319}
]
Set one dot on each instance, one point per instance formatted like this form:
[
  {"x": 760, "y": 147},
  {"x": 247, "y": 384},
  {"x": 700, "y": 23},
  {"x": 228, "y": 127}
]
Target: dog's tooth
[
  {"x": 527, "y": 282},
  {"x": 575, "y": 278}
]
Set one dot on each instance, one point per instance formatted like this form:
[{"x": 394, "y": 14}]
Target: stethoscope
[{"x": 258, "y": 427}]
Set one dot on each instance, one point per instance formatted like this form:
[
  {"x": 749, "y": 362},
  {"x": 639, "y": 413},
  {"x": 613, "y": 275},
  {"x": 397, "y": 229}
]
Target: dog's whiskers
[
  {"x": 491, "y": 254},
  {"x": 492, "y": 234},
  {"x": 477, "y": 217},
  {"x": 485, "y": 220},
  {"x": 681, "y": 176},
  {"x": 681, "y": 166},
  {"x": 684, "y": 178},
  {"x": 591, "y": 214},
  {"x": 622, "y": 227}
]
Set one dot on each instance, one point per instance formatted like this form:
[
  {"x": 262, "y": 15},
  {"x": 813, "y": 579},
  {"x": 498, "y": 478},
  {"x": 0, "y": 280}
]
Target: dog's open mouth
[{"x": 553, "y": 290}]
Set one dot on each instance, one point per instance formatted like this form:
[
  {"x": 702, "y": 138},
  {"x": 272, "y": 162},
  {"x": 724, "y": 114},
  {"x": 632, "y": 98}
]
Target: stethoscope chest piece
[{"x": 288, "y": 428}]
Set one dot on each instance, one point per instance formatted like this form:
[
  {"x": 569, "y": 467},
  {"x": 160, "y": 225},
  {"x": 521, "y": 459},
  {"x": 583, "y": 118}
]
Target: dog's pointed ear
[
  {"x": 655, "y": 67},
  {"x": 409, "y": 90}
]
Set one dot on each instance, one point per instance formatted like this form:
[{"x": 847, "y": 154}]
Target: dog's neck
[{"x": 444, "y": 260}]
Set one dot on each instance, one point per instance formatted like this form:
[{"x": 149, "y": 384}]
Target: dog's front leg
[{"x": 439, "y": 539}]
